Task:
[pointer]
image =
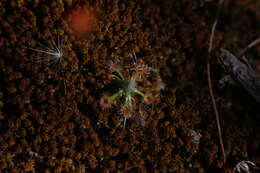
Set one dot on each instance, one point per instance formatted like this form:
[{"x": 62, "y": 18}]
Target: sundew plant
[{"x": 128, "y": 88}]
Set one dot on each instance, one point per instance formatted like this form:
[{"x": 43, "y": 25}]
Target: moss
[{"x": 57, "y": 115}]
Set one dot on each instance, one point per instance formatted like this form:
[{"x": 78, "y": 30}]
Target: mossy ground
[{"x": 51, "y": 118}]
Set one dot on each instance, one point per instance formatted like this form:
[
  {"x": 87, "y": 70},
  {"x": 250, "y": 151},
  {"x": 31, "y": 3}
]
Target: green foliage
[{"x": 128, "y": 88}]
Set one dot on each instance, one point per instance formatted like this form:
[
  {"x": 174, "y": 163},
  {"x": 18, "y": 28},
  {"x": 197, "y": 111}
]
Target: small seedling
[{"x": 128, "y": 88}]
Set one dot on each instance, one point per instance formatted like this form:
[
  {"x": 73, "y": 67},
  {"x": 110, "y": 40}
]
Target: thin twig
[
  {"x": 253, "y": 43},
  {"x": 214, "y": 26},
  {"x": 210, "y": 84}
]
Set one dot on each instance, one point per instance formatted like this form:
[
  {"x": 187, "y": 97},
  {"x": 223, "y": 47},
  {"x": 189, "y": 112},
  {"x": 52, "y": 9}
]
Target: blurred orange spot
[
  {"x": 165, "y": 124},
  {"x": 81, "y": 20}
]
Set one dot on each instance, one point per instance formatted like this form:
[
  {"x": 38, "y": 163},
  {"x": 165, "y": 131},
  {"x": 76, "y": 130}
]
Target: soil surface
[{"x": 55, "y": 110}]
